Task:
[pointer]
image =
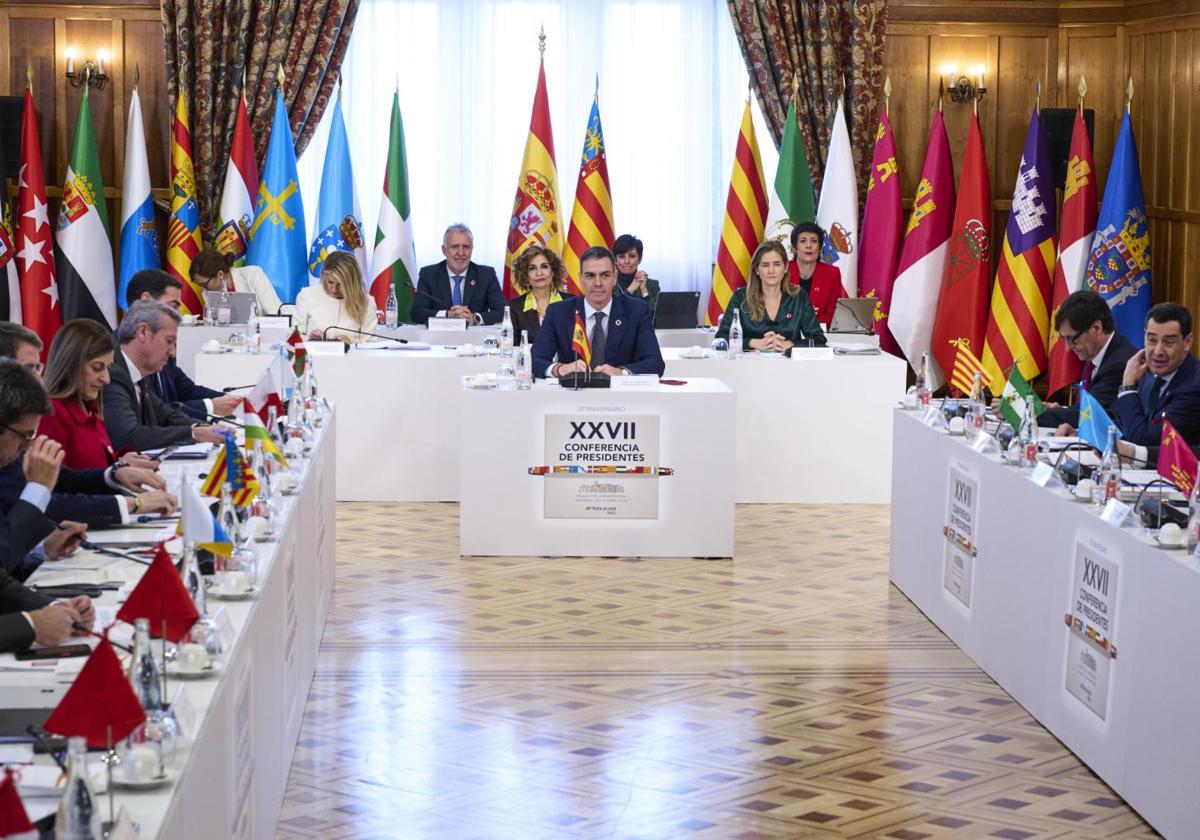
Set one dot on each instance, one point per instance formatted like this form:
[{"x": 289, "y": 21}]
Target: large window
[{"x": 672, "y": 88}]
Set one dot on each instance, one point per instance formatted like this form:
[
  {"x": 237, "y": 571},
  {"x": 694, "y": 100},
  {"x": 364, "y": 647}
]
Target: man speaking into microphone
[{"x": 620, "y": 331}]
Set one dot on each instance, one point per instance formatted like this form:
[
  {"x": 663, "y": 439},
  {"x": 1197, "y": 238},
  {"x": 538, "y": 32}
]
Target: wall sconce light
[
  {"x": 92, "y": 73},
  {"x": 960, "y": 87}
]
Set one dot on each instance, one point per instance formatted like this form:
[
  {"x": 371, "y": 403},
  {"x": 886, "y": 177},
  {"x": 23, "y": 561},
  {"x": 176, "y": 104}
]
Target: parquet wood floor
[{"x": 791, "y": 692}]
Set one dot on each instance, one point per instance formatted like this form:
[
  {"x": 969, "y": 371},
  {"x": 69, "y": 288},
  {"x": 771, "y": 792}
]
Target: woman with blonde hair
[
  {"x": 339, "y": 300},
  {"x": 775, "y": 314},
  {"x": 540, "y": 279}
]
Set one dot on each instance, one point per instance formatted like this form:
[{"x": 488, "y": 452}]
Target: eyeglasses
[
  {"x": 36, "y": 368},
  {"x": 24, "y": 436},
  {"x": 1071, "y": 339}
]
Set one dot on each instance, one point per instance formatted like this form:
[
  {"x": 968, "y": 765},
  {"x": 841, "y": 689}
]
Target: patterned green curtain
[
  {"x": 816, "y": 44},
  {"x": 213, "y": 44}
]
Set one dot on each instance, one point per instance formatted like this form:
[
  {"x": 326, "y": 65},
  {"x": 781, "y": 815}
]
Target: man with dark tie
[
  {"x": 1085, "y": 323},
  {"x": 620, "y": 331},
  {"x": 134, "y": 415},
  {"x": 457, "y": 287},
  {"x": 1161, "y": 380}
]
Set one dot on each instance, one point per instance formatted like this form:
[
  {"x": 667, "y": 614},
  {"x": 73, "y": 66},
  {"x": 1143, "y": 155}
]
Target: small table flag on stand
[
  {"x": 580, "y": 343},
  {"x": 297, "y": 353},
  {"x": 161, "y": 597},
  {"x": 100, "y": 705},
  {"x": 14, "y": 821},
  {"x": 199, "y": 525},
  {"x": 1177, "y": 463},
  {"x": 1094, "y": 422}
]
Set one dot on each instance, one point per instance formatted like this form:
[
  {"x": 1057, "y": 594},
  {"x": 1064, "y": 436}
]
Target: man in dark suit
[
  {"x": 171, "y": 384},
  {"x": 1085, "y": 323},
  {"x": 134, "y": 416},
  {"x": 1162, "y": 380},
  {"x": 457, "y": 287},
  {"x": 620, "y": 331},
  {"x": 25, "y": 615}
]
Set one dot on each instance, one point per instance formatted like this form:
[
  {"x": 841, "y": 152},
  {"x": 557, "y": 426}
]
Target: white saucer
[
  {"x": 1170, "y": 546},
  {"x": 174, "y": 670},
  {"x": 169, "y": 776},
  {"x": 222, "y": 595}
]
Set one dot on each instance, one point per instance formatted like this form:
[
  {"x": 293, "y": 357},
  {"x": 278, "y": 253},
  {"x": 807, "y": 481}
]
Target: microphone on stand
[
  {"x": 233, "y": 388},
  {"x": 325, "y": 335}
]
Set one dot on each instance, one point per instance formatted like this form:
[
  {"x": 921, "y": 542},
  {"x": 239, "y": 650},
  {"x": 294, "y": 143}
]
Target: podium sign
[{"x": 597, "y": 450}]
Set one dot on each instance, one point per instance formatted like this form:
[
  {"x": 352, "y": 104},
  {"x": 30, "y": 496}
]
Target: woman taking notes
[
  {"x": 775, "y": 314},
  {"x": 340, "y": 300},
  {"x": 539, "y": 279}
]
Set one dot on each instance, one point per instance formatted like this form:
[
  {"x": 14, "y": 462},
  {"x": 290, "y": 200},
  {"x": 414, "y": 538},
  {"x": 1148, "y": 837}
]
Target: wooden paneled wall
[{"x": 1157, "y": 42}]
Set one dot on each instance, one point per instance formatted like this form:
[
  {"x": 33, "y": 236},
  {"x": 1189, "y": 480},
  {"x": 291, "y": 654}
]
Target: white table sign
[
  {"x": 448, "y": 324},
  {"x": 962, "y": 517},
  {"x": 584, "y": 439},
  {"x": 1090, "y": 623}
]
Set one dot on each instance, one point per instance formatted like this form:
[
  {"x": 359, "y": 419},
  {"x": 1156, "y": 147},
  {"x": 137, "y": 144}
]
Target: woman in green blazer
[
  {"x": 630, "y": 279},
  {"x": 775, "y": 314}
]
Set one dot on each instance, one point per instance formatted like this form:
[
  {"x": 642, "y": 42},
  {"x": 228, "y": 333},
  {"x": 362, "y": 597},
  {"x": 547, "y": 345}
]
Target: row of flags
[{"x": 932, "y": 277}]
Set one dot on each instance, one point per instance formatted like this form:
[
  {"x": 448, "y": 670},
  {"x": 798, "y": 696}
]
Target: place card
[
  {"x": 1042, "y": 474},
  {"x": 448, "y": 324},
  {"x": 1115, "y": 512},
  {"x": 185, "y": 713}
]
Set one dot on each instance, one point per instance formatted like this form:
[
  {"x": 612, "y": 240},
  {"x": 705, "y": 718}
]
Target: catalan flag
[
  {"x": 535, "y": 215},
  {"x": 579, "y": 341},
  {"x": 592, "y": 215},
  {"x": 183, "y": 228},
  {"x": 1019, "y": 318},
  {"x": 1177, "y": 463},
  {"x": 231, "y": 468},
  {"x": 966, "y": 365},
  {"x": 745, "y": 220}
]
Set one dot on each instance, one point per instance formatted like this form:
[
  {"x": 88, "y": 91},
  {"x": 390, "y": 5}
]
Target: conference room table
[
  {"x": 1090, "y": 626},
  {"x": 245, "y": 718},
  {"x": 815, "y": 428}
]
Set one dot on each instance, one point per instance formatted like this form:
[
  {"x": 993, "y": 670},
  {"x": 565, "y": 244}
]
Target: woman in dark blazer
[
  {"x": 775, "y": 315},
  {"x": 540, "y": 279},
  {"x": 76, "y": 373},
  {"x": 821, "y": 281}
]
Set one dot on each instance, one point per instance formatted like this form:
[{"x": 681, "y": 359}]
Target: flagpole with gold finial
[
  {"x": 1128, "y": 94},
  {"x": 542, "y": 41},
  {"x": 29, "y": 76},
  {"x": 1037, "y": 99},
  {"x": 887, "y": 95},
  {"x": 941, "y": 92},
  {"x": 1082, "y": 92}
]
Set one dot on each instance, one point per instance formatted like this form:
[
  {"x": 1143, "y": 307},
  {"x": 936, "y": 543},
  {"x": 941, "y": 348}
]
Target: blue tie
[{"x": 457, "y": 298}]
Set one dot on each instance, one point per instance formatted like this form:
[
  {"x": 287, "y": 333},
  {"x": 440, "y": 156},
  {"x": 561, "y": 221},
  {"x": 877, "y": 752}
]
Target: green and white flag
[
  {"x": 792, "y": 199},
  {"x": 394, "y": 260},
  {"x": 83, "y": 252},
  {"x": 1013, "y": 399}
]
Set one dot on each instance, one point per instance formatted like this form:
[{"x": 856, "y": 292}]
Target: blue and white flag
[
  {"x": 339, "y": 219},
  {"x": 139, "y": 237},
  {"x": 1119, "y": 265},
  {"x": 277, "y": 240},
  {"x": 1094, "y": 422}
]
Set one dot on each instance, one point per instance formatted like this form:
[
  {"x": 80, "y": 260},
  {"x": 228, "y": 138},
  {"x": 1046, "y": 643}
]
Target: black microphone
[
  {"x": 212, "y": 418},
  {"x": 446, "y": 306},
  {"x": 111, "y": 552},
  {"x": 1079, "y": 467},
  {"x": 325, "y": 334},
  {"x": 233, "y": 388}
]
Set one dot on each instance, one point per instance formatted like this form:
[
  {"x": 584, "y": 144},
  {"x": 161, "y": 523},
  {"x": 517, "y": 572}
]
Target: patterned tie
[
  {"x": 1155, "y": 390},
  {"x": 457, "y": 298},
  {"x": 597, "y": 341}
]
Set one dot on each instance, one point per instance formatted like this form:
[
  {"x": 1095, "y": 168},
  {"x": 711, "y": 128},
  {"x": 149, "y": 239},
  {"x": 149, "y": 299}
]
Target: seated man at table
[
  {"x": 89, "y": 496},
  {"x": 620, "y": 333},
  {"x": 457, "y": 287},
  {"x": 1161, "y": 380},
  {"x": 25, "y": 615},
  {"x": 134, "y": 416},
  {"x": 1085, "y": 323},
  {"x": 171, "y": 384}
]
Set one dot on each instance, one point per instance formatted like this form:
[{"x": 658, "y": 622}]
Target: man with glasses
[
  {"x": 1161, "y": 380},
  {"x": 25, "y": 615},
  {"x": 1085, "y": 323}
]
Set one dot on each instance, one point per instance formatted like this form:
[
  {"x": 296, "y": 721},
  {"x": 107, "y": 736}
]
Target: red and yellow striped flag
[
  {"x": 183, "y": 228},
  {"x": 592, "y": 215},
  {"x": 745, "y": 215},
  {"x": 966, "y": 364},
  {"x": 534, "y": 219},
  {"x": 579, "y": 341}
]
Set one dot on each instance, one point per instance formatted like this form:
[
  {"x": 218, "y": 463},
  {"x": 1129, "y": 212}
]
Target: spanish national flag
[{"x": 579, "y": 341}]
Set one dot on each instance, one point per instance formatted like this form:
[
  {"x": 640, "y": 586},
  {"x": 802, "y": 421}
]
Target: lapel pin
[
  {"x": 617, "y": 322},
  {"x": 789, "y": 315}
]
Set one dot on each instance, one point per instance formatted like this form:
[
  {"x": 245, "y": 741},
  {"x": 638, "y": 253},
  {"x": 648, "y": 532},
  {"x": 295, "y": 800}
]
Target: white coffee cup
[
  {"x": 235, "y": 583},
  {"x": 1085, "y": 488},
  {"x": 957, "y": 425},
  {"x": 192, "y": 657},
  {"x": 1171, "y": 534},
  {"x": 141, "y": 763}
]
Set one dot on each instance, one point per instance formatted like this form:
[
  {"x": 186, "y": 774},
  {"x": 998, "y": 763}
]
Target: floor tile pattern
[{"x": 791, "y": 692}]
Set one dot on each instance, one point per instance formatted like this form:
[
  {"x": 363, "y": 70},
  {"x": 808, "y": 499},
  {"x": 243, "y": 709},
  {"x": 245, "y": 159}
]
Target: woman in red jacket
[
  {"x": 823, "y": 282},
  {"x": 76, "y": 373}
]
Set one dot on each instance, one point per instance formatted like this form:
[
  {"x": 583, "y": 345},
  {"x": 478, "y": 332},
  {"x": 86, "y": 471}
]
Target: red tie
[{"x": 1087, "y": 375}]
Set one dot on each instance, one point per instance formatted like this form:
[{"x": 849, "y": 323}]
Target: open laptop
[
  {"x": 854, "y": 316},
  {"x": 239, "y": 305}
]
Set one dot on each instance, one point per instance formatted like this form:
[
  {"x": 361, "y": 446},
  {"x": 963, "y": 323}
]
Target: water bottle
[
  {"x": 1029, "y": 439},
  {"x": 1108, "y": 480},
  {"x": 1193, "y": 528},
  {"x": 391, "y": 318},
  {"x": 228, "y": 514},
  {"x": 78, "y": 817},
  {"x": 143, "y": 668},
  {"x": 252, "y": 328},
  {"x": 224, "y": 315},
  {"x": 506, "y": 334},
  {"x": 736, "y": 347},
  {"x": 923, "y": 382},
  {"x": 525, "y": 363},
  {"x": 978, "y": 408}
]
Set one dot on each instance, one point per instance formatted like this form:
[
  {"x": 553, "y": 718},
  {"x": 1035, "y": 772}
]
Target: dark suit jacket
[
  {"x": 176, "y": 388},
  {"x": 525, "y": 320},
  {"x": 79, "y": 496},
  {"x": 1179, "y": 400},
  {"x": 480, "y": 293},
  {"x": 22, "y": 528},
  {"x": 629, "y": 342},
  {"x": 122, "y": 414},
  {"x": 1106, "y": 381}
]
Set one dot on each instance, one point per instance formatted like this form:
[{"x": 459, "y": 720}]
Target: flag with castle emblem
[
  {"x": 883, "y": 222},
  {"x": 1019, "y": 317},
  {"x": 1177, "y": 463},
  {"x": 535, "y": 215},
  {"x": 923, "y": 254},
  {"x": 339, "y": 219},
  {"x": 240, "y": 190},
  {"x": 963, "y": 300},
  {"x": 83, "y": 252},
  {"x": 34, "y": 244},
  {"x": 277, "y": 241},
  {"x": 1119, "y": 265},
  {"x": 1074, "y": 246},
  {"x": 183, "y": 226},
  {"x": 837, "y": 209},
  {"x": 592, "y": 215},
  {"x": 139, "y": 235}
]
